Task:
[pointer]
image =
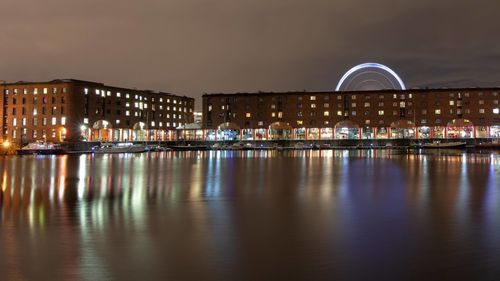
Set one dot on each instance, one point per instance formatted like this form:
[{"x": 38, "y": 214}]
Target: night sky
[{"x": 192, "y": 47}]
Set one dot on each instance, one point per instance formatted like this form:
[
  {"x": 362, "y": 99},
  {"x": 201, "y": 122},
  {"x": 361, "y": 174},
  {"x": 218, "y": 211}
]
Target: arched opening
[
  {"x": 139, "y": 132},
  {"x": 460, "y": 128},
  {"x": 228, "y": 132},
  {"x": 402, "y": 129},
  {"x": 102, "y": 130},
  {"x": 280, "y": 131},
  {"x": 346, "y": 130},
  {"x": 190, "y": 132}
]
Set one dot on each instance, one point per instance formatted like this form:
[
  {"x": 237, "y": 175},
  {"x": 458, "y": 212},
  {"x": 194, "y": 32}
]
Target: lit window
[
  {"x": 410, "y": 96},
  {"x": 339, "y": 113},
  {"x": 273, "y": 106},
  {"x": 127, "y": 104},
  {"x": 54, "y": 121},
  {"x": 248, "y": 115},
  {"x": 24, "y": 121},
  {"x": 153, "y": 124},
  {"x": 127, "y": 96},
  {"x": 35, "y": 91},
  {"x": 313, "y": 105},
  {"x": 280, "y": 114},
  {"x": 136, "y": 105},
  {"x": 313, "y": 97},
  {"x": 353, "y": 104},
  {"x": 300, "y": 122},
  {"x": 496, "y": 110},
  {"x": 118, "y": 95},
  {"x": 260, "y": 123},
  {"x": 25, "y": 91},
  {"x": 175, "y": 101},
  {"x": 161, "y": 124},
  {"x": 326, "y": 105},
  {"x": 481, "y": 110},
  {"x": 14, "y": 121},
  {"x": 85, "y": 120},
  {"x": 353, "y": 113},
  {"x": 367, "y": 104},
  {"x": 339, "y": 97},
  {"x": 326, "y": 113},
  {"x": 63, "y": 121},
  {"x": 452, "y": 102},
  {"x": 273, "y": 114},
  {"x": 353, "y": 97},
  {"x": 394, "y": 96},
  {"x": 35, "y": 111},
  {"x": 45, "y": 91},
  {"x": 127, "y": 113},
  {"x": 437, "y": 111},
  {"x": 380, "y": 112},
  {"x": 367, "y": 122}
]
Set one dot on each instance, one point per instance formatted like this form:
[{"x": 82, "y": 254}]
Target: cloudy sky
[{"x": 193, "y": 47}]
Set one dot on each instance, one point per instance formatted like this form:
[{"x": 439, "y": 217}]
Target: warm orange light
[{"x": 6, "y": 144}]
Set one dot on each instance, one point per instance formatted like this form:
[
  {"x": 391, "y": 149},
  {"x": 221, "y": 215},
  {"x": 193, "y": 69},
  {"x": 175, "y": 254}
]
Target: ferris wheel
[{"x": 369, "y": 77}]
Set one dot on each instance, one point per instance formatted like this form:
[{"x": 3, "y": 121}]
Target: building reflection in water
[{"x": 224, "y": 205}]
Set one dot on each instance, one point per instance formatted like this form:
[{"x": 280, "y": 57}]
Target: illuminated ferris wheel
[{"x": 370, "y": 77}]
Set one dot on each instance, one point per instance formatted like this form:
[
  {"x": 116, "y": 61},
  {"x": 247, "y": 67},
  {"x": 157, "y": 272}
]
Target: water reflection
[{"x": 249, "y": 214}]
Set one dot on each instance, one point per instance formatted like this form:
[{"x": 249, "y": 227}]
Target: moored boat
[
  {"x": 41, "y": 147},
  {"x": 445, "y": 145},
  {"x": 489, "y": 145},
  {"x": 120, "y": 148}
]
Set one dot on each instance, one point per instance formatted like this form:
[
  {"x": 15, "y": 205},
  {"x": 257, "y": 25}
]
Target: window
[
  {"x": 437, "y": 111},
  {"x": 353, "y": 113},
  {"x": 127, "y": 113},
  {"x": 326, "y": 113},
  {"x": 367, "y": 104},
  {"x": 54, "y": 90},
  {"x": 380, "y": 112},
  {"x": 248, "y": 115},
  {"x": 424, "y": 111},
  {"x": 353, "y": 97},
  {"x": 273, "y": 114},
  {"x": 260, "y": 123},
  {"x": 381, "y": 104},
  {"x": 496, "y": 110},
  {"x": 300, "y": 122},
  {"x": 14, "y": 121},
  {"x": 63, "y": 121},
  {"x": 367, "y": 122},
  {"x": 326, "y": 105},
  {"x": 85, "y": 120},
  {"x": 339, "y": 113},
  {"x": 45, "y": 91},
  {"x": 118, "y": 95},
  {"x": 353, "y": 104},
  {"x": 313, "y": 97},
  {"x": 54, "y": 121},
  {"x": 452, "y": 102},
  {"x": 313, "y": 105},
  {"x": 481, "y": 101},
  {"x": 481, "y": 110}
]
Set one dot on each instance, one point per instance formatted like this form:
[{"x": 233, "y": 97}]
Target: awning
[
  {"x": 347, "y": 124},
  {"x": 402, "y": 124},
  {"x": 280, "y": 126},
  {"x": 228, "y": 126}
]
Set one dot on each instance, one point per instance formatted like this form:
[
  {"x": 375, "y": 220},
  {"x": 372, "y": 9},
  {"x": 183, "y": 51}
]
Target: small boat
[
  {"x": 489, "y": 145},
  {"x": 445, "y": 145},
  {"x": 189, "y": 147},
  {"x": 120, "y": 148},
  {"x": 300, "y": 146},
  {"x": 41, "y": 147}
]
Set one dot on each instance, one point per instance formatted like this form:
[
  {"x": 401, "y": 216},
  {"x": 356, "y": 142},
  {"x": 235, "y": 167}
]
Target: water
[{"x": 317, "y": 215}]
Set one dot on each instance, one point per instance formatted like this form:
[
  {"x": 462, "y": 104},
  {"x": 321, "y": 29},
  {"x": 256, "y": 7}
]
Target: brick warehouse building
[
  {"x": 61, "y": 110},
  {"x": 385, "y": 114}
]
